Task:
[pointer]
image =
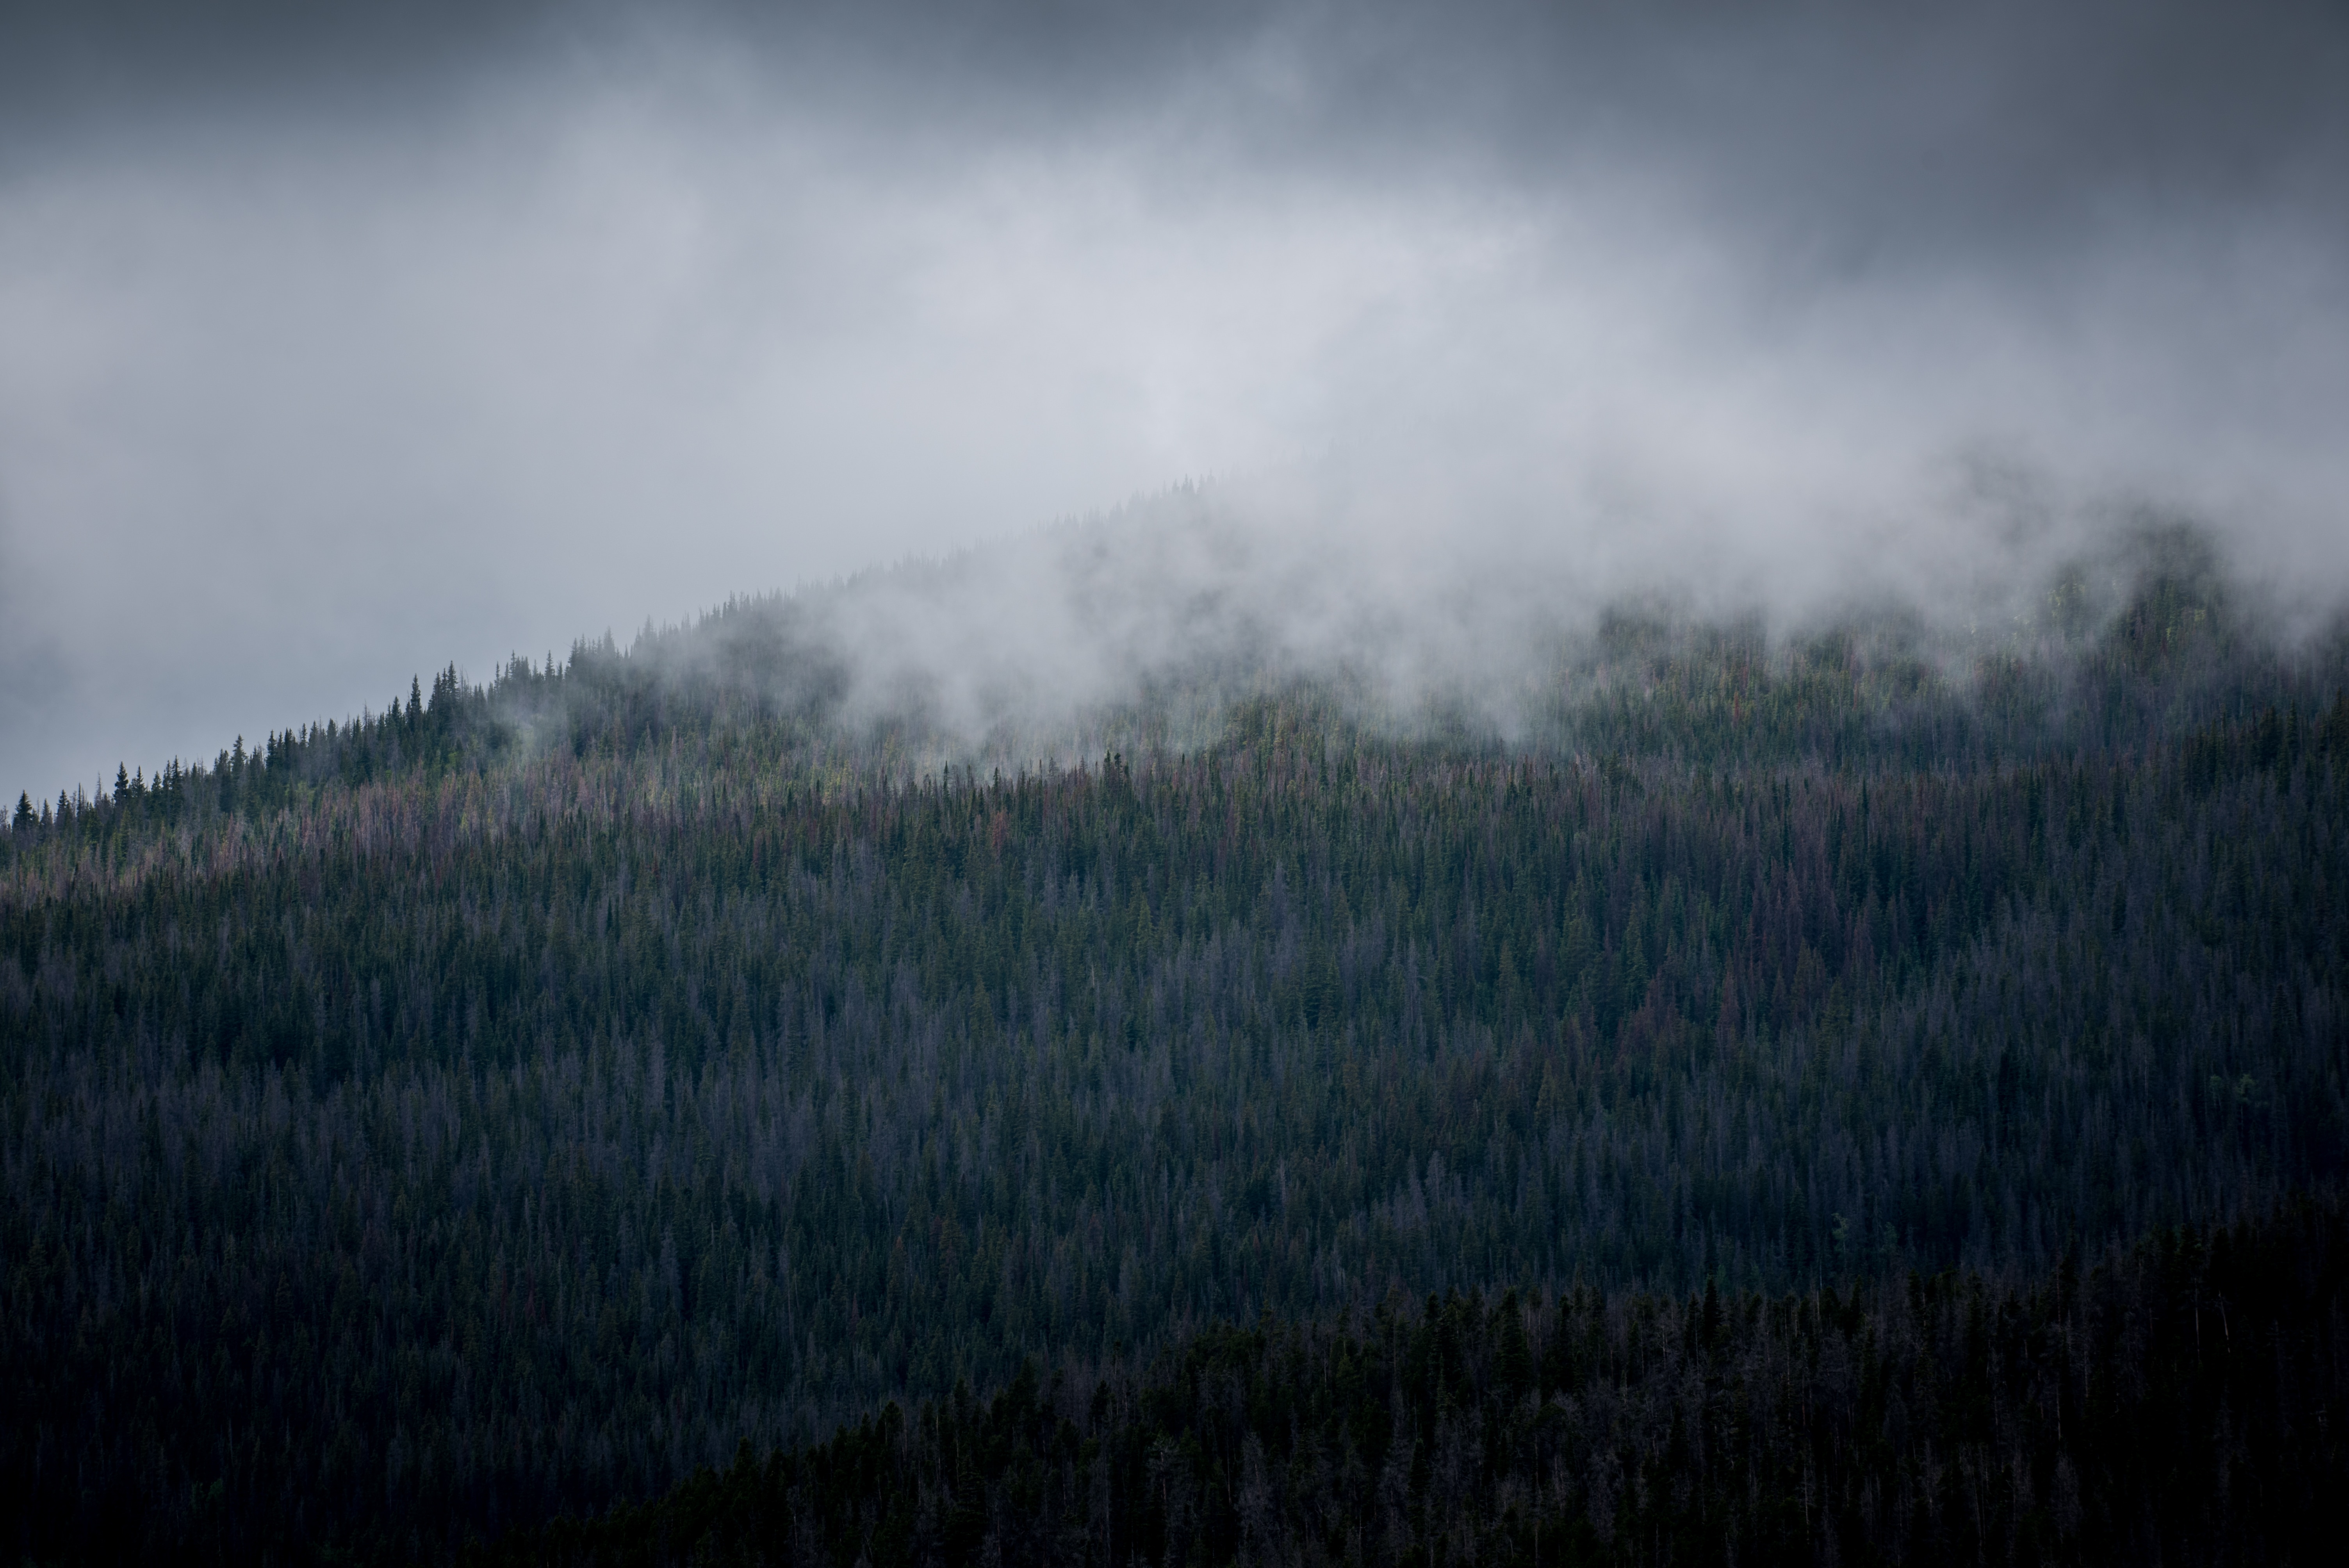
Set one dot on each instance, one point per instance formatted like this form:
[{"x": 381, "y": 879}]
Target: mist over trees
[
  {"x": 505, "y": 1105},
  {"x": 1676, "y": 889}
]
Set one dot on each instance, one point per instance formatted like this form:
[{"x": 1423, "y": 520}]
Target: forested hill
[
  {"x": 2165, "y": 643},
  {"x": 2184, "y": 1400},
  {"x": 506, "y": 1105}
]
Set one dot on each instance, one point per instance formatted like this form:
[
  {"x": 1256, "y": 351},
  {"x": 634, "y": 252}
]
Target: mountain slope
[{"x": 510, "y": 1104}]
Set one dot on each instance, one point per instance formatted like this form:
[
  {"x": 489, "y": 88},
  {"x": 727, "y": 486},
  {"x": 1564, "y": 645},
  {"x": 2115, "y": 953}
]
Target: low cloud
[{"x": 294, "y": 400}]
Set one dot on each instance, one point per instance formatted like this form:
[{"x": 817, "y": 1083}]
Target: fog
[{"x": 336, "y": 351}]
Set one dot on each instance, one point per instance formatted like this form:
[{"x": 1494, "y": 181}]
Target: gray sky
[{"x": 341, "y": 342}]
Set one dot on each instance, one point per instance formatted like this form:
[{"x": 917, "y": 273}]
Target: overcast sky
[{"x": 340, "y": 342}]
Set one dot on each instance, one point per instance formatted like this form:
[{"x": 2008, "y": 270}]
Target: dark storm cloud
[
  {"x": 340, "y": 341},
  {"x": 1865, "y": 125}
]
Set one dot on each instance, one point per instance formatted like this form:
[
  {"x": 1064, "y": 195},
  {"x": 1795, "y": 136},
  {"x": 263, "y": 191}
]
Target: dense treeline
[
  {"x": 2186, "y": 1401},
  {"x": 513, "y": 1101},
  {"x": 503, "y": 1146},
  {"x": 2163, "y": 646}
]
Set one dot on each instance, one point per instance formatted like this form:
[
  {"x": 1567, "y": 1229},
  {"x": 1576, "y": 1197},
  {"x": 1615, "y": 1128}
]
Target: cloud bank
[{"x": 335, "y": 350}]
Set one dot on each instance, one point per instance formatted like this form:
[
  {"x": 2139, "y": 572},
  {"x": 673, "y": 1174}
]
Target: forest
[
  {"x": 1787, "y": 1098},
  {"x": 2084, "y": 1416}
]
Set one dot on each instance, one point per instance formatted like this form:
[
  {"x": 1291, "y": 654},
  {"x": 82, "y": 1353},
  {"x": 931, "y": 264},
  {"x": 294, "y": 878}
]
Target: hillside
[
  {"x": 2180, "y": 1401},
  {"x": 506, "y": 1105}
]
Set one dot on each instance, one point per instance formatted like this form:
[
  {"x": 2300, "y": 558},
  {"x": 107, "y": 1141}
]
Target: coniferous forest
[{"x": 1795, "y": 1098}]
